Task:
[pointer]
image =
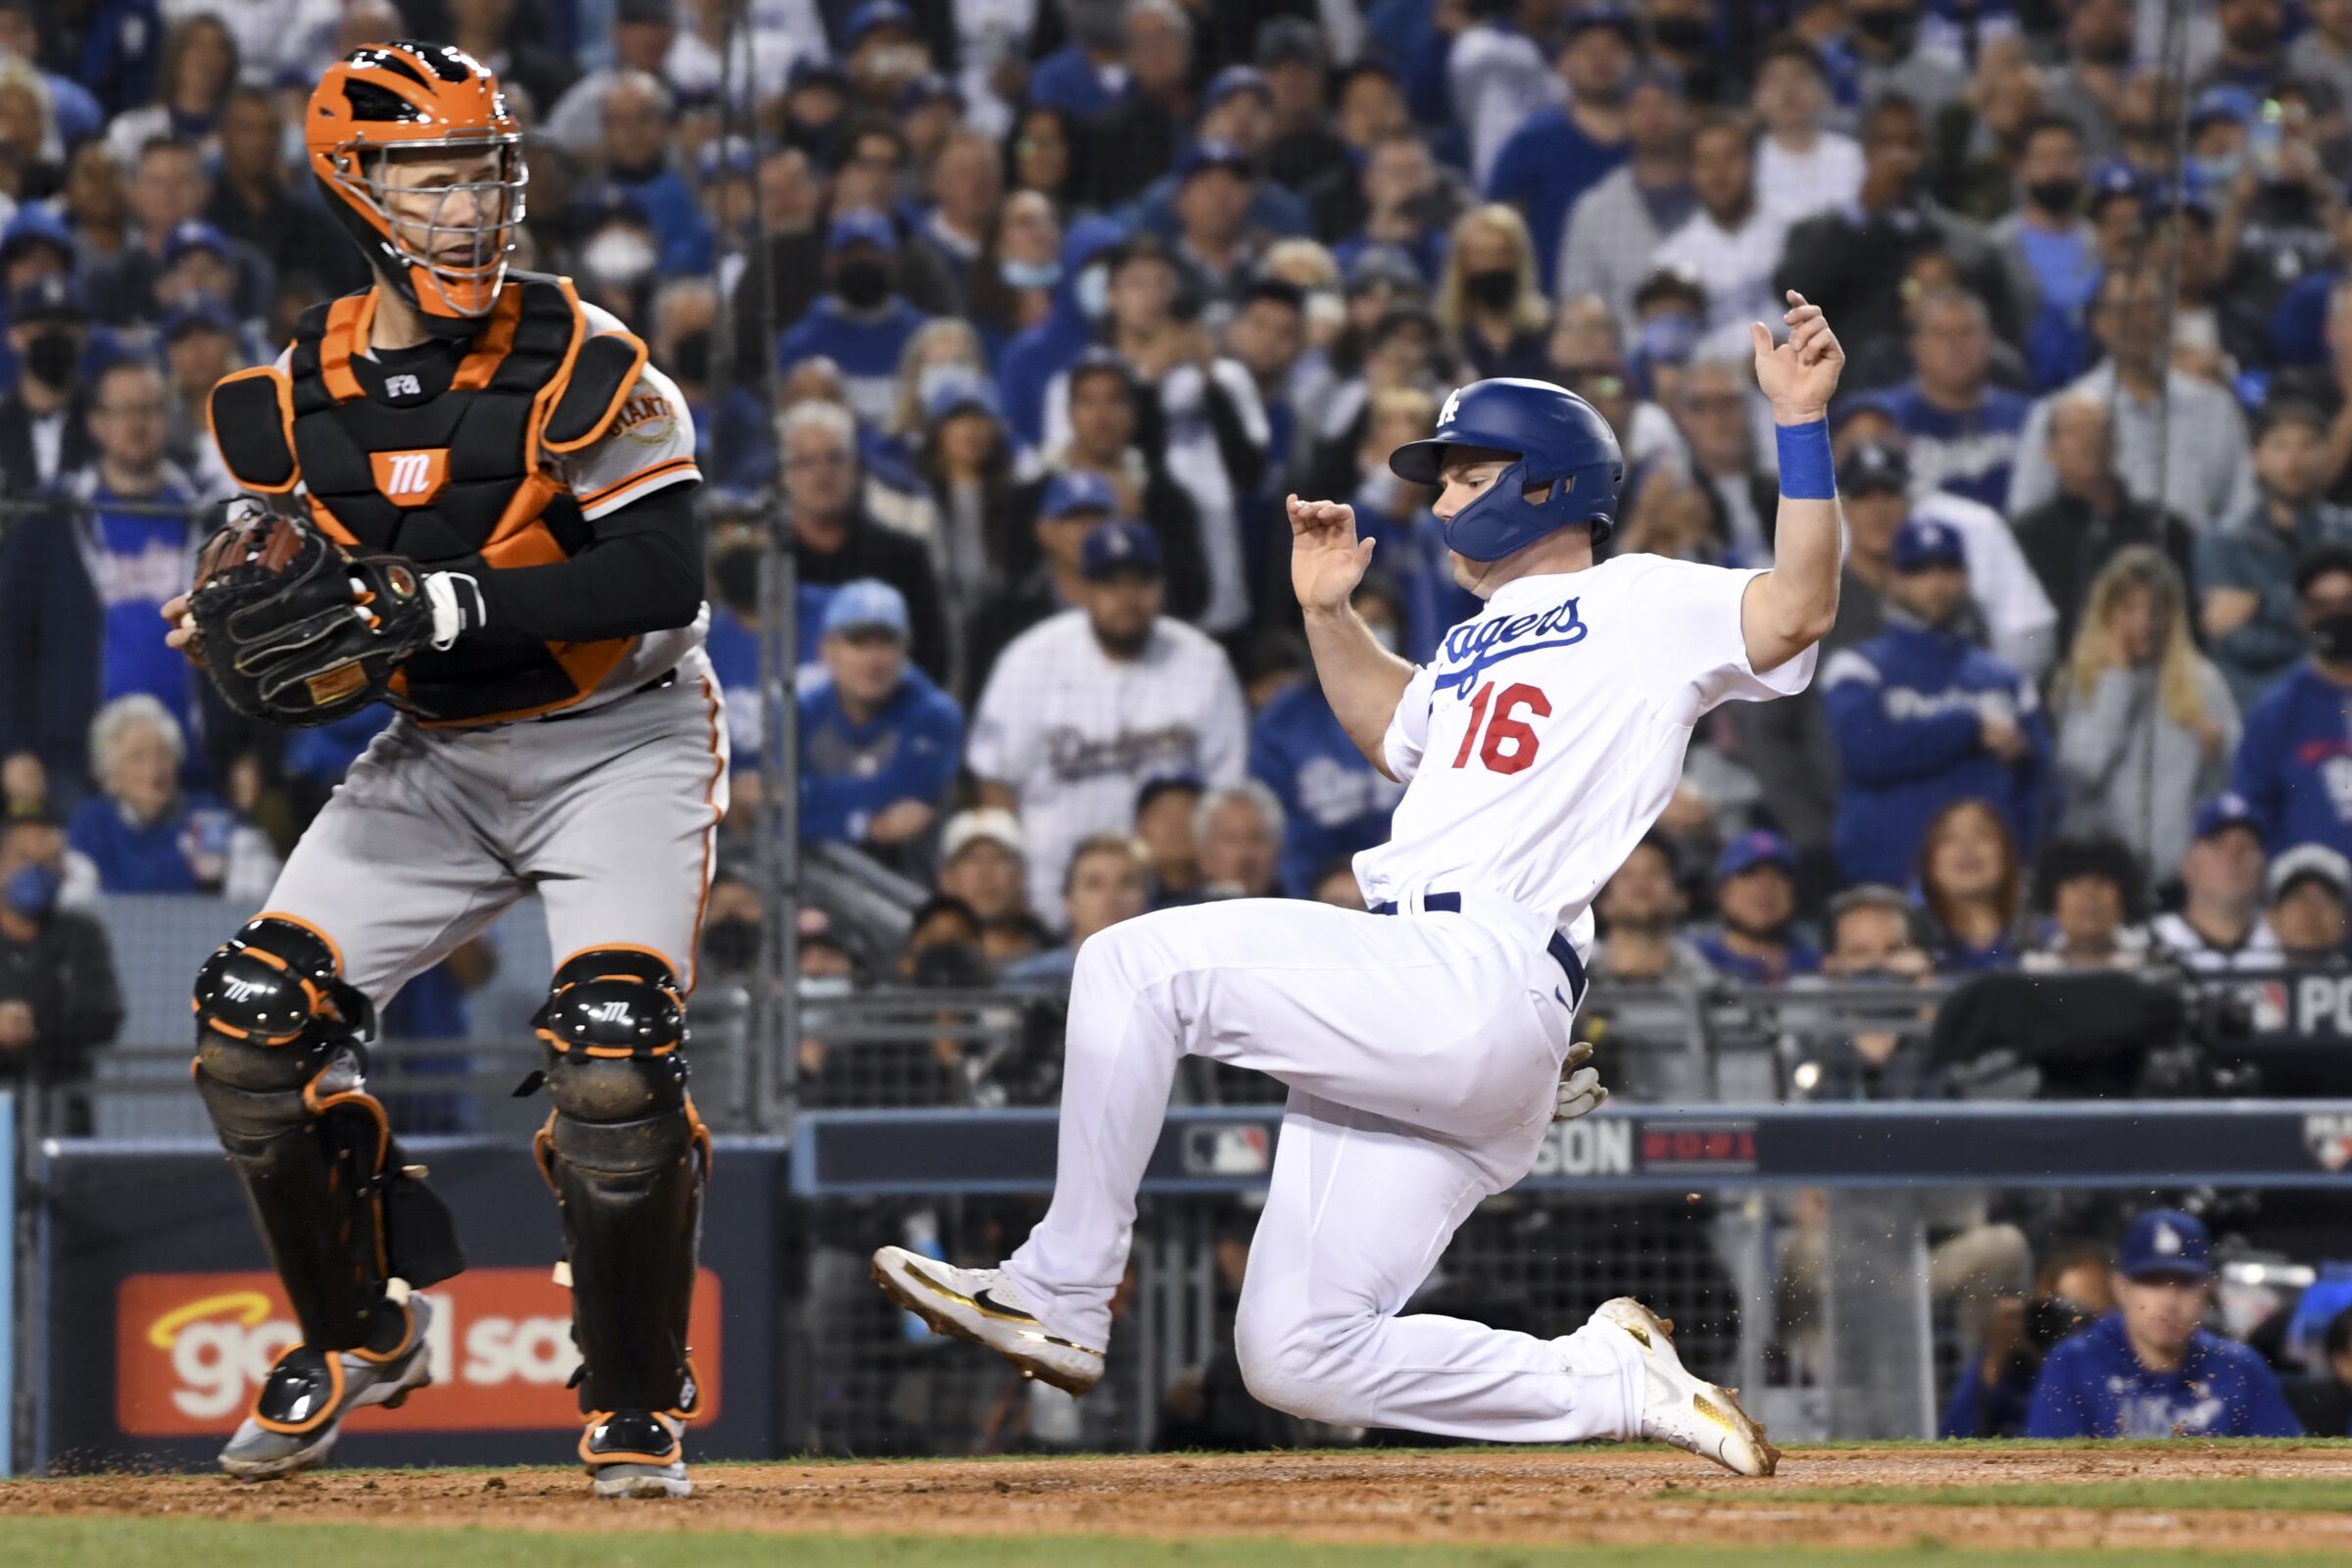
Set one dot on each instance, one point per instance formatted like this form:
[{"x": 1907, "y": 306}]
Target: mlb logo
[
  {"x": 2329, "y": 1140},
  {"x": 410, "y": 479}
]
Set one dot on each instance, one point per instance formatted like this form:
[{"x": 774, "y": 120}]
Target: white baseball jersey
[
  {"x": 1547, "y": 734},
  {"x": 1076, "y": 733}
]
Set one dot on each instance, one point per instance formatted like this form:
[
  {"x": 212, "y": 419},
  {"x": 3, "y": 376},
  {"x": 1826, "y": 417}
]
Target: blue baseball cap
[
  {"x": 2226, "y": 810},
  {"x": 194, "y": 235},
  {"x": 1202, "y": 156},
  {"x": 1074, "y": 491},
  {"x": 873, "y": 16},
  {"x": 1874, "y": 466},
  {"x": 1120, "y": 544},
  {"x": 1750, "y": 850},
  {"x": 1617, "y": 19},
  {"x": 1238, "y": 78},
  {"x": 957, "y": 389},
  {"x": 1925, "y": 542},
  {"x": 867, "y": 604},
  {"x": 809, "y": 71},
  {"x": 2165, "y": 1244},
  {"x": 53, "y": 299},
  {"x": 2220, "y": 102},
  {"x": 35, "y": 225},
  {"x": 928, "y": 88},
  {"x": 861, "y": 226},
  {"x": 204, "y": 313}
]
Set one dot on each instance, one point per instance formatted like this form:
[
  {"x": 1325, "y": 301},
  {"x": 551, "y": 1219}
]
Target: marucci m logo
[
  {"x": 610, "y": 1012},
  {"x": 410, "y": 479}
]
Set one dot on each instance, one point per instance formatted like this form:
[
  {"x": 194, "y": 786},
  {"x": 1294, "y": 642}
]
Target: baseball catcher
[{"x": 465, "y": 495}]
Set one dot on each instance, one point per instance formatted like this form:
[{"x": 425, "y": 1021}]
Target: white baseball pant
[{"x": 1422, "y": 1053}]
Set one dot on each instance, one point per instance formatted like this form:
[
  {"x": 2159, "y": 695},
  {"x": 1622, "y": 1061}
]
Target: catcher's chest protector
[{"x": 449, "y": 467}]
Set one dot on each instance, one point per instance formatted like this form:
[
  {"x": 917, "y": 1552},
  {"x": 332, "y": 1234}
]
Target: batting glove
[{"x": 1580, "y": 1091}]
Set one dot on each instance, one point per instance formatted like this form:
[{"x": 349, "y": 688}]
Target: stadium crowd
[{"x": 1020, "y": 317}]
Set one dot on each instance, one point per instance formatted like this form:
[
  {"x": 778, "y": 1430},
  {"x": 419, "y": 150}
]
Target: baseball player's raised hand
[
  {"x": 1327, "y": 559},
  {"x": 1799, "y": 375}
]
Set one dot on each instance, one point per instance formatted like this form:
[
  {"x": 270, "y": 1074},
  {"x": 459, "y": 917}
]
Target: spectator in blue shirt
[
  {"x": 2049, "y": 250},
  {"x": 1558, "y": 154},
  {"x": 2149, "y": 1370},
  {"x": 879, "y": 743},
  {"x": 1088, "y": 74},
  {"x": 1924, "y": 719},
  {"x": 1755, "y": 904},
  {"x": 861, "y": 322},
  {"x": 145, "y": 834},
  {"x": 2294, "y": 763},
  {"x": 1963, "y": 430},
  {"x": 1334, "y": 800},
  {"x": 80, "y": 588}
]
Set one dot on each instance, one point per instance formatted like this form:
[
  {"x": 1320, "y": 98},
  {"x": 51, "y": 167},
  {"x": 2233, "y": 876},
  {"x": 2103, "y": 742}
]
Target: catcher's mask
[{"x": 444, "y": 243}]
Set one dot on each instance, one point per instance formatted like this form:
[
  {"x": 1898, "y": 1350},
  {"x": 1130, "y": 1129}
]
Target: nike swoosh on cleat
[{"x": 996, "y": 1309}]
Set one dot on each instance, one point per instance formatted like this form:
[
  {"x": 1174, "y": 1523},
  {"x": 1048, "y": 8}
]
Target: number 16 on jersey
[{"x": 1509, "y": 742}]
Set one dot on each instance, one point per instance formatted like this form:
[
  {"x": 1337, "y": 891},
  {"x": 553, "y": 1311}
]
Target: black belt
[
  {"x": 1563, "y": 953},
  {"x": 668, "y": 677}
]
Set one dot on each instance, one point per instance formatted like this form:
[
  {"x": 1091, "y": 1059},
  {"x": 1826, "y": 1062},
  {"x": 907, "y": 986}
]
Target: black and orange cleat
[
  {"x": 299, "y": 1413},
  {"x": 636, "y": 1453}
]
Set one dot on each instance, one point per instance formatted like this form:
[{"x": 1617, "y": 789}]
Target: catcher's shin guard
[
  {"x": 627, "y": 1158},
  {"x": 281, "y": 1066}
]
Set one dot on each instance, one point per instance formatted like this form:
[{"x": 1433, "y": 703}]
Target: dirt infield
[{"x": 1462, "y": 1497}]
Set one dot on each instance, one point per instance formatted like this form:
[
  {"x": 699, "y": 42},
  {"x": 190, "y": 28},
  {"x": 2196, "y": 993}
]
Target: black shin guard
[
  {"x": 279, "y": 1066},
  {"x": 627, "y": 1159}
]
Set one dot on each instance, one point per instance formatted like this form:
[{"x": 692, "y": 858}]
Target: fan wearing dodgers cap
[
  {"x": 1088, "y": 705},
  {"x": 2148, "y": 1369},
  {"x": 879, "y": 743},
  {"x": 2219, "y": 925},
  {"x": 1923, "y": 717},
  {"x": 1755, "y": 902}
]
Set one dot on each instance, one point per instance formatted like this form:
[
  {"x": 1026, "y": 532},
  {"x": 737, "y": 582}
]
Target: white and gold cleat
[
  {"x": 982, "y": 1305},
  {"x": 1694, "y": 1416}
]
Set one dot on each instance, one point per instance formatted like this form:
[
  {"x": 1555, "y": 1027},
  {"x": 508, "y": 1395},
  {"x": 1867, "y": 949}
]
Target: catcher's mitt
[{"x": 295, "y": 629}]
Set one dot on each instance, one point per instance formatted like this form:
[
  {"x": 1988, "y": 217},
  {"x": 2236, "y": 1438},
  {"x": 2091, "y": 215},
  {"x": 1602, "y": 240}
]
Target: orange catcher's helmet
[{"x": 442, "y": 242}]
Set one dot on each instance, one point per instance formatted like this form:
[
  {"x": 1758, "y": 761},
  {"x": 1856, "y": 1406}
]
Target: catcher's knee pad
[
  {"x": 280, "y": 1064},
  {"x": 627, "y": 1158}
]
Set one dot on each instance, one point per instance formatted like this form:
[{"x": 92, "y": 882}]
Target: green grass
[
  {"x": 199, "y": 1544},
  {"x": 2268, "y": 1493}
]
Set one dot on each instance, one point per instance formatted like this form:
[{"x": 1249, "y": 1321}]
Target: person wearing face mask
[
  {"x": 861, "y": 322},
  {"x": 44, "y": 413},
  {"x": 1755, "y": 904},
  {"x": 1491, "y": 302},
  {"x": 1041, "y": 352},
  {"x": 2294, "y": 765},
  {"x": 1559, "y": 154},
  {"x": 2047, "y": 247},
  {"x": 2249, "y": 574},
  {"x": 1334, "y": 802},
  {"x": 59, "y": 1000}
]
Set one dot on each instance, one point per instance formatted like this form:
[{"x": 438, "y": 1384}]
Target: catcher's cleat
[
  {"x": 636, "y": 1453},
  {"x": 299, "y": 1413},
  {"x": 982, "y": 1305},
  {"x": 1694, "y": 1416}
]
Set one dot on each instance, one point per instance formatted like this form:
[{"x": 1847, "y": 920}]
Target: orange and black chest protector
[{"x": 451, "y": 467}]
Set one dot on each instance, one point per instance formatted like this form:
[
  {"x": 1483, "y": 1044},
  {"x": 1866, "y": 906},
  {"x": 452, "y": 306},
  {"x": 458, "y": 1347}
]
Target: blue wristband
[{"x": 1807, "y": 473}]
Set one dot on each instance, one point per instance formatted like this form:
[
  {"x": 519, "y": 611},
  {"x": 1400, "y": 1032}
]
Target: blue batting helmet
[{"x": 1562, "y": 444}]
